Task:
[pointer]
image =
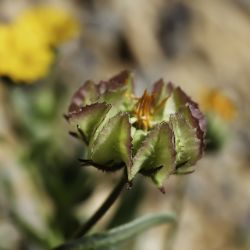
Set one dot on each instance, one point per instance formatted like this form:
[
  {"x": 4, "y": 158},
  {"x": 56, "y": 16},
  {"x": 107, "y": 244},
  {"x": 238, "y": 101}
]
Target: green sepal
[
  {"x": 138, "y": 136},
  {"x": 112, "y": 144},
  {"x": 177, "y": 100},
  {"x": 118, "y": 91},
  {"x": 161, "y": 92},
  {"x": 197, "y": 120},
  {"x": 172, "y": 105},
  {"x": 121, "y": 81},
  {"x": 157, "y": 152},
  {"x": 188, "y": 145},
  {"x": 86, "y": 120},
  {"x": 85, "y": 95}
]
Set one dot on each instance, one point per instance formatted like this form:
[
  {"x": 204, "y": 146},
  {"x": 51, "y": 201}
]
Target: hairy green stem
[{"x": 103, "y": 209}]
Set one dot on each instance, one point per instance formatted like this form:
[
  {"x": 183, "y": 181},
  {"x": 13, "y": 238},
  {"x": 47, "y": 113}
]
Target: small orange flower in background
[
  {"x": 26, "y": 44},
  {"x": 213, "y": 101},
  {"x": 219, "y": 110}
]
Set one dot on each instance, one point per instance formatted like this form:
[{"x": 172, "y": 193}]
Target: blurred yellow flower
[
  {"x": 26, "y": 45},
  {"x": 55, "y": 25},
  {"x": 213, "y": 101},
  {"x": 23, "y": 58}
]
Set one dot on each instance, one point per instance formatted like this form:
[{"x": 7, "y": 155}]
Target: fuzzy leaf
[
  {"x": 86, "y": 120},
  {"x": 118, "y": 234},
  {"x": 113, "y": 143},
  {"x": 156, "y": 152}
]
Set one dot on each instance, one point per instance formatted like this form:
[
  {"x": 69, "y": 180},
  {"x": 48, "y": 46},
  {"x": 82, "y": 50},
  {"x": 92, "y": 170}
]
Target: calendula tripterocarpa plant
[{"x": 158, "y": 134}]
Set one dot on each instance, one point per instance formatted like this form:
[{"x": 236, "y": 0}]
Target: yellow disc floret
[{"x": 143, "y": 111}]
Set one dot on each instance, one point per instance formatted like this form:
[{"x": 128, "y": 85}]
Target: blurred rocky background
[{"x": 203, "y": 46}]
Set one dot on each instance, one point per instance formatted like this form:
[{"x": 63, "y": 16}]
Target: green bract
[{"x": 158, "y": 134}]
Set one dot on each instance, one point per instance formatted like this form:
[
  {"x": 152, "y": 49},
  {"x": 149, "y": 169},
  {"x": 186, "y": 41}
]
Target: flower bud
[{"x": 157, "y": 134}]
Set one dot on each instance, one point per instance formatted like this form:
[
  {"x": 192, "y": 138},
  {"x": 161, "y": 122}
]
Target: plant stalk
[{"x": 103, "y": 209}]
